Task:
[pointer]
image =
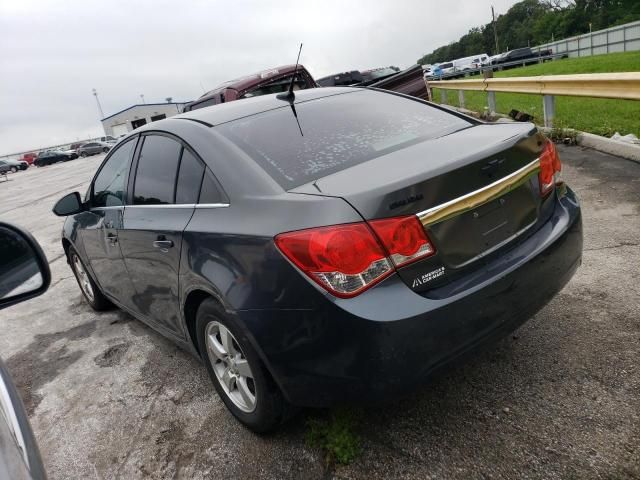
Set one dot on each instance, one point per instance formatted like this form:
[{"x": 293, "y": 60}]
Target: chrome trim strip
[
  {"x": 168, "y": 205},
  {"x": 118, "y": 207},
  {"x": 475, "y": 199},
  {"x": 165, "y": 205},
  {"x": 212, "y": 205}
]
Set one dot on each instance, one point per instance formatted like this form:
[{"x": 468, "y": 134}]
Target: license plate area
[{"x": 468, "y": 236}]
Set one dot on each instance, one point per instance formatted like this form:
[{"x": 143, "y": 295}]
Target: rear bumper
[{"x": 390, "y": 339}]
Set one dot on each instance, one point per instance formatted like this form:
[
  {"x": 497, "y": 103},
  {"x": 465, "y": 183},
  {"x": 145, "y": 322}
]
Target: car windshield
[{"x": 335, "y": 133}]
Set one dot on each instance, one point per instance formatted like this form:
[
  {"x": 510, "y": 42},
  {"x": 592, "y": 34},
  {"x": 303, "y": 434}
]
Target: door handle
[{"x": 163, "y": 244}]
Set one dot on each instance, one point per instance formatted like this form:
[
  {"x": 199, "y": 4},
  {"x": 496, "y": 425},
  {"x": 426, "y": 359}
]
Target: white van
[{"x": 470, "y": 63}]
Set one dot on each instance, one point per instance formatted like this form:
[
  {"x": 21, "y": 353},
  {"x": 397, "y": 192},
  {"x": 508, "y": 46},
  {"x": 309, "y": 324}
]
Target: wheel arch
[
  {"x": 190, "y": 310},
  {"x": 66, "y": 245}
]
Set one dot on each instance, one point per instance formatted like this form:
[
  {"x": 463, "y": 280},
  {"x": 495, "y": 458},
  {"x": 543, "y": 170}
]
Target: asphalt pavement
[{"x": 560, "y": 398}]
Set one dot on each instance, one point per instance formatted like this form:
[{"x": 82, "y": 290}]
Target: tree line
[{"x": 535, "y": 22}]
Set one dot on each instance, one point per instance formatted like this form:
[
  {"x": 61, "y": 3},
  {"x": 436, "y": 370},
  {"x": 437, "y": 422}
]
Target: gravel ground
[{"x": 110, "y": 398}]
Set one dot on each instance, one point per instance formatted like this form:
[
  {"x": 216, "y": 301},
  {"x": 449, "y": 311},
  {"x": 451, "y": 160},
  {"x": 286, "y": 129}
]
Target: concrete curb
[{"x": 606, "y": 145}]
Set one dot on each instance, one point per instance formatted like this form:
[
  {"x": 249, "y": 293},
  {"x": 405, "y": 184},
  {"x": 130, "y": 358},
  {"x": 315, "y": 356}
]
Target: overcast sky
[{"x": 54, "y": 52}]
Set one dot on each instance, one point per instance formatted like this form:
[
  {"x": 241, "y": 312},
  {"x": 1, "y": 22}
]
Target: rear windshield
[{"x": 334, "y": 133}]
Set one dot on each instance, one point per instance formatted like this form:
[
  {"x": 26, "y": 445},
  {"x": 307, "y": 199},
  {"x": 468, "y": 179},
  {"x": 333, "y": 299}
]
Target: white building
[{"x": 137, "y": 115}]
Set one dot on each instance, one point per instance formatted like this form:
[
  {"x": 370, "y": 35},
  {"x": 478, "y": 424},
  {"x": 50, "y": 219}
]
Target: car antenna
[{"x": 289, "y": 95}]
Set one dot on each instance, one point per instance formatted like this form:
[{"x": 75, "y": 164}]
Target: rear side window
[
  {"x": 156, "y": 172},
  {"x": 189, "y": 178},
  {"x": 333, "y": 133},
  {"x": 211, "y": 192}
]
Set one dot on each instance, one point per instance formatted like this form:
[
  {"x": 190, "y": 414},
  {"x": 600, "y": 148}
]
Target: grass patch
[
  {"x": 594, "y": 115},
  {"x": 335, "y": 436}
]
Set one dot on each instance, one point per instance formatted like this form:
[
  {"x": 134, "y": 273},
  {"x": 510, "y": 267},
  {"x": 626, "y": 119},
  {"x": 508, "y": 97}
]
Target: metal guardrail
[{"x": 624, "y": 86}]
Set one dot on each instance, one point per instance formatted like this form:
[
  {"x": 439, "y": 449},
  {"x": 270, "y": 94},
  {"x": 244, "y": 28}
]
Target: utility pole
[
  {"x": 495, "y": 30},
  {"x": 142, "y": 97},
  {"x": 95, "y": 94}
]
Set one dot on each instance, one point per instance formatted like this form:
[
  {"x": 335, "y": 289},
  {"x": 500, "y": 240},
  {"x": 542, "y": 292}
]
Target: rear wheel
[
  {"x": 105, "y": 149},
  {"x": 14, "y": 169},
  {"x": 88, "y": 287},
  {"x": 238, "y": 375},
  {"x": 84, "y": 154}
]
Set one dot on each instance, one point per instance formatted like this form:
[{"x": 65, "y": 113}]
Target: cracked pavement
[{"x": 110, "y": 398}]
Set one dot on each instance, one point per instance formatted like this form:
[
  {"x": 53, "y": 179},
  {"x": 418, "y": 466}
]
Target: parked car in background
[
  {"x": 29, "y": 157},
  {"x": 48, "y": 158},
  {"x": 433, "y": 71},
  {"x": 341, "y": 79},
  {"x": 489, "y": 61},
  {"x": 275, "y": 80},
  {"x": 301, "y": 275},
  {"x": 76, "y": 146},
  {"x": 377, "y": 74},
  {"x": 15, "y": 165},
  {"x": 356, "y": 77},
  {"x": 107, "y": 139},
  {"x": 93, "y": 148},
  {"x": 4, "y": 167},
  {"x": 409, "y": 81},
  {"x": 519, "y": 54},
  {"x": 71, "y": 153},
  {"x": 469, "y": 63},
  {"x": 447, "y": 68}
]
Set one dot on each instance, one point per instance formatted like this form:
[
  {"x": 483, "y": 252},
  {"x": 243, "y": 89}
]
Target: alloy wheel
[
  {"x": 230, "y": 366},
  {"x": 83, "y": 278}
]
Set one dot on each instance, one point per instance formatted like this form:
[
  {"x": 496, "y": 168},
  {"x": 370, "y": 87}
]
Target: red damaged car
[{"x": 275, "y": 80}]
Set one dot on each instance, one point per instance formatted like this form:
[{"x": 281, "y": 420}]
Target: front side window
[
  {"x": 109, "y": 185},
  {"x": 156, "y": 172}
]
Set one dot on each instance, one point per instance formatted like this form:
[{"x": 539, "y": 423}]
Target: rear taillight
[
  {"x": 404, "y": 238},
  {"x": 550, "y": 167},
  {"x": 347, "y": 259}
]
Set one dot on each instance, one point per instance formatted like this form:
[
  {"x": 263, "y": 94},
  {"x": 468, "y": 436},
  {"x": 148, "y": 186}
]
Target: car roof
[{"x": 227, "y": 112}]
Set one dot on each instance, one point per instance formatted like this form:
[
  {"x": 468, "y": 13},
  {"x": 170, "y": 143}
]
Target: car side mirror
[
  {"x": 24, "y": 270},
  {"x": 68, "y": 205}
]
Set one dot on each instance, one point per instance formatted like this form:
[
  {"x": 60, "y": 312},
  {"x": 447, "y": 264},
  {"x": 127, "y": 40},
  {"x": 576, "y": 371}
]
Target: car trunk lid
[{"x": 474, "y": 190}]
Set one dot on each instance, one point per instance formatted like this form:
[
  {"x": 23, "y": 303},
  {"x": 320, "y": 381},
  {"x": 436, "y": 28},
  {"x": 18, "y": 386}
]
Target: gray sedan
[{"x": 93, "y": 148}]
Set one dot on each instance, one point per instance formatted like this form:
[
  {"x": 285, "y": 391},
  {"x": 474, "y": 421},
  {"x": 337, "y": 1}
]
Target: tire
[
  {"x": 270, "y": 408},
  {"x": 84, "y": 154},
  {"x": 105, "y": 149},
  {"x": 90, "y": 291},
  {"x": 14, "y": 169}
]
